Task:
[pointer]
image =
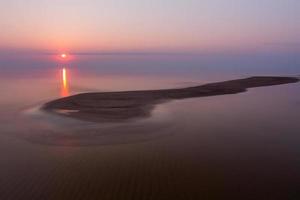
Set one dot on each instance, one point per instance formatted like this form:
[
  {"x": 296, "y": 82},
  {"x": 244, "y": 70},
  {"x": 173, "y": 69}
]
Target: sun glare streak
[
  {"x": 64, "y": 75},
  {"x": 64, "y": 86}
]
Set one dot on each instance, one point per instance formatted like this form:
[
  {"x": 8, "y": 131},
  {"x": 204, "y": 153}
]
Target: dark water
[{"x": 243, "y": 146}]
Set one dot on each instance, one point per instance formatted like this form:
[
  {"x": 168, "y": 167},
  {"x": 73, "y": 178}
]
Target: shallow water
[{"x": 243, "y": 146}]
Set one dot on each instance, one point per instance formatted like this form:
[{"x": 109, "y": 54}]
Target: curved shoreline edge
[{"x": 128, "y": 105}]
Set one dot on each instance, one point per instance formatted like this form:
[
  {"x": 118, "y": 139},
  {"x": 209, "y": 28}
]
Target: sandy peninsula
[{"x": 127, "y": 105}]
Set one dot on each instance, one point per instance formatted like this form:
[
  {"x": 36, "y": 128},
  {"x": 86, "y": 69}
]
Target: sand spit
[{"x": 128, "y": 105}]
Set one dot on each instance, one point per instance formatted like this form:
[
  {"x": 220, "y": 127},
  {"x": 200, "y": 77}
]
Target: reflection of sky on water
[{"x": 209, "y": 140}]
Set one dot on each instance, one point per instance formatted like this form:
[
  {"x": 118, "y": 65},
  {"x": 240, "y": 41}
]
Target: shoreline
[{"x": 127, "y": 105}]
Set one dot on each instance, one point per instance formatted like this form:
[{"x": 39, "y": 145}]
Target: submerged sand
[{"x": 127, "y": 105}]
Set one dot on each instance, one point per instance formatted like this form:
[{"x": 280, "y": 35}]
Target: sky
[{"x": 88, "y": 26}]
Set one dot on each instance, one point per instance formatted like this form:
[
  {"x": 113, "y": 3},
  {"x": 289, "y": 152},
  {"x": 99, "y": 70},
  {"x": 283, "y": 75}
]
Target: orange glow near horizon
[{"x": 64, "y": 86}]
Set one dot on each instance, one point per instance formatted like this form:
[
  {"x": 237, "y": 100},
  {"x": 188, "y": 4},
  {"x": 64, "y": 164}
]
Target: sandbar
[{"x": 128, "y": 105}]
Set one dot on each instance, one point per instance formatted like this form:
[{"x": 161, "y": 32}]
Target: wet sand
[{"x": 128, "y": 105}]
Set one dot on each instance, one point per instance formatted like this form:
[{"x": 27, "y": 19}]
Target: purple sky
[
  {"x": 143, "y": 25},
  {"x": 152, "y": 37}
]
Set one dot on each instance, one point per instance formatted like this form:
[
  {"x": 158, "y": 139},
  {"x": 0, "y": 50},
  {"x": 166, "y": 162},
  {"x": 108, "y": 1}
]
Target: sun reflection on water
[{"x": 64, "y": 83}]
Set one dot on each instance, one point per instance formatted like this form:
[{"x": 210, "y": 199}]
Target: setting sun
[{"x": 63, "y": 55}]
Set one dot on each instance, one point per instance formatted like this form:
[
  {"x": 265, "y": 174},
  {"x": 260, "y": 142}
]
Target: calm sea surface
[{"x": 243, "y": 146}]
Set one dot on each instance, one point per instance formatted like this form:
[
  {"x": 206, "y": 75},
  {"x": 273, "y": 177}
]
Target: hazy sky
[{"x": 150, "y": 25}]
